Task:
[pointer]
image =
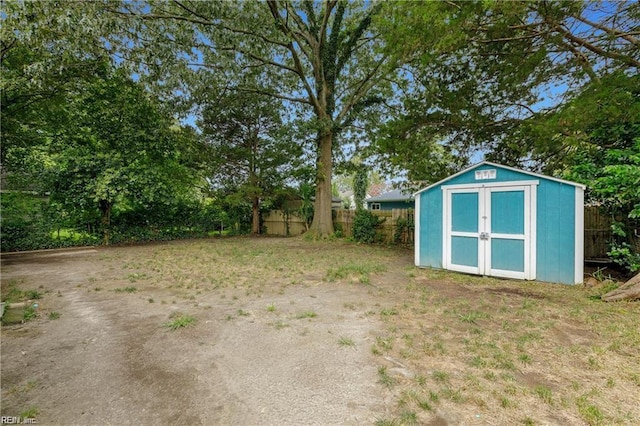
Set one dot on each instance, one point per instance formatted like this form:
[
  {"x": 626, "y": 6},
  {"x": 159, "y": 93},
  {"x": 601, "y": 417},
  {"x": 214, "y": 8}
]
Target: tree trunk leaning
[{"x": 628, "y": 291}]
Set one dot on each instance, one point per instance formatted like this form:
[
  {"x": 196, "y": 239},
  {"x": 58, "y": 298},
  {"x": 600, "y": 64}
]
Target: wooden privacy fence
[
  {"x": 597, "y": 227},
  {"x": 597, "y": 234},
  {"x": 279, "y": 222}
]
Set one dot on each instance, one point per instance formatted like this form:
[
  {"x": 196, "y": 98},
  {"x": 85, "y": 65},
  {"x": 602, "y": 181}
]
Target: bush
[
  {"x": 403, "y": 227},
  {"x": 364, "y": 226},
  {"x": 621, "y": 251}
]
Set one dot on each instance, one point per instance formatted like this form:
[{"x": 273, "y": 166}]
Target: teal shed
[{"x": 500, "y": 221}]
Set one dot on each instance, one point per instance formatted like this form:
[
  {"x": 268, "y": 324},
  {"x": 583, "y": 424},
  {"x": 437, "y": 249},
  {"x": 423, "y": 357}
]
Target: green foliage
[
  {"x": 249, "y": 150},
  {"x": 364, "y": 226},
  {"x": 360, "y": 185},
  {"x": 29, "y": 313},
  {"x": 604, "y": 124},
  {"x": 622, "y": 252},
  {"x": 403, "y": 227},
  {"x": 305, "y": 210}
]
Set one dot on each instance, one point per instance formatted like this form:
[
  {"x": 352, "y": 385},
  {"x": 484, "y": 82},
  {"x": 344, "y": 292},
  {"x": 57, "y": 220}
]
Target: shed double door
[{"x": 490, "y": 230}]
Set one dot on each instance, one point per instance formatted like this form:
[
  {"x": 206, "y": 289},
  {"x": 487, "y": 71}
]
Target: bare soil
[{"x": 294, "y": 332}]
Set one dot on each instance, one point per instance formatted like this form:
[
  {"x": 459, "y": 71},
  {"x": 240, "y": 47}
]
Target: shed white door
[{"x": 490, "y": 230}]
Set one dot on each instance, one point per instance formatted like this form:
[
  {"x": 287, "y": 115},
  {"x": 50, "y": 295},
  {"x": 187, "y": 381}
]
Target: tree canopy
[{"x": 95, "y": 94}]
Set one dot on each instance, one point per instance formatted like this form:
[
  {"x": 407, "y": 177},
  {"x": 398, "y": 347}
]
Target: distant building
[{"x": 396, "y": 199}]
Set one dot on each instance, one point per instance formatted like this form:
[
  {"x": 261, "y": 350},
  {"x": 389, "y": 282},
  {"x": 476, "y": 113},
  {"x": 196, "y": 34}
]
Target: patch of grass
[
  {"x": 279, "y": 325},
  {"x": 243, "y": 313},
  {"x": 421, "y": 380},
  {"x": 424, "y": 405},
  {"x": 307, "y": 314},
  {"x": 345, "y": 341},
  {"x": 440, "y": 376},
  {"x": 388, "y": 312},
  {"x": 590, "y": 413},
  {"x": 30, "y": 412},
  {"x": 12, "y": 294},
  {"x": 358, "y": 272},
  {"x": 408, "y": 418},
  {"x": 524, "y": 358},
  {"x": 384, "y": 378},
  {"x": 271, "y": 308},
  {"x": 180, "y": 320},
  {"x": 33, "y": 294},
  {"x": 478, "y": 362},
  {"x": 506, "y": 402},
  {"x": 129, "y": 289},
  {"x": 544, "y": 393},
  {"x": 29, "y": 313},
  {"x": 454, "y": 395},
  {"x": 473, "y": 316},
  {"x": 54, "y": 315},
  {"x": 385, "y": 344}
]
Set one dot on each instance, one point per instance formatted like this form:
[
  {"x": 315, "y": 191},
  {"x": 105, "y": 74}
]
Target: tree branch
[
  {"x": 275, "y": 95},
  {"x": 611, "y": 31},
  {"x": 363, "y": 87},
  {"x": 299, "y": 69},
  {"x": 582, "y": 60},
  {"x": 593, "y": 48}
]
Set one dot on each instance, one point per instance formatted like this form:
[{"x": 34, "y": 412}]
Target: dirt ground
[
  {"x": 294, "y": 332},
  {"x": 108, "y": 360}
]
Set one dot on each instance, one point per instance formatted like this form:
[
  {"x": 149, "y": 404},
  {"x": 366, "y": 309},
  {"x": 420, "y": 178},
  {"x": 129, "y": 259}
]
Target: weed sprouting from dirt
[
  {"x": 345, "y": 341},
  {"x": 384, "y": 378},
  {"x": 130, "y": 289},
  {"x": 29, "y": 313},
  {"x": 179, "y": 320},
  {"x": 30, "y": 413}
]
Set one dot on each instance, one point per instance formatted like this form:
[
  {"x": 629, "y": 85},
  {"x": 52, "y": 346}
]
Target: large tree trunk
[
  {"x": 628, "y": 291},
  {"x": 322, "y": 224},
  {"x": 255, "y": 223}
]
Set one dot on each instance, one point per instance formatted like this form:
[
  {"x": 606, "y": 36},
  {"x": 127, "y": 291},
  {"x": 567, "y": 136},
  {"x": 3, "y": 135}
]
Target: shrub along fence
[{"x": 396, "y": 225}]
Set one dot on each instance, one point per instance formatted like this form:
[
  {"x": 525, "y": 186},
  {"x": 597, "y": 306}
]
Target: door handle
[{"x": 484, "y": 235}]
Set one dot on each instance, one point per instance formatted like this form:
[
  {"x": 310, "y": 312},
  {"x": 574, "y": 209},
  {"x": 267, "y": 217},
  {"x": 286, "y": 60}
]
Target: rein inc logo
[{"x": 17, "y": 420}]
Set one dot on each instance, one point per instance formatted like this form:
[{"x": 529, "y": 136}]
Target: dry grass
[
  {"x": 514, "y": 352},
  {"x": 471, "y": 349}
]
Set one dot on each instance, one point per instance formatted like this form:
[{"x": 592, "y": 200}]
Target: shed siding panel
[
  {"x": 431, "y": 228},
  {"x": 556, "y": 232}
]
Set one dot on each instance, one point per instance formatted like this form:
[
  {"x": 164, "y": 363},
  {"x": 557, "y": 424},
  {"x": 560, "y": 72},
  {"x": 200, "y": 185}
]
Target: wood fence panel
[
  {"x": 597, "y": 233},
  {"x": 278, "y": 222}
]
